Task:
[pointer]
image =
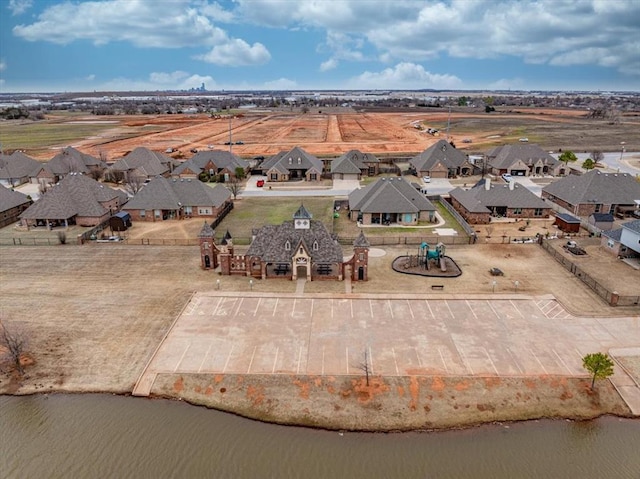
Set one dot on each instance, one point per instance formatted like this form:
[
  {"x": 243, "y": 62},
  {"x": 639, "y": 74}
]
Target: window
[
  {"x": 517, "y": 211},
  {"x": 188, "y": 210},
  {"x": 313, "y": 177},
  {"x": 598, "y": 208},
  {"x": 157, "y": 213},
  {"x": 361, "y": 256},
  {"x": 538, "y": 212},
  {"x": 274, "y": 176},
  {"x": 287, "y": 246},
  {"x": 143, "y": 213},
  {"x": 315, "y": 246},
  {"x": 204, "y": 211}
]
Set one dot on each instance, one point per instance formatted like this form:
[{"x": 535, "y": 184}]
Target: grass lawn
[
  {"x": 43, "y": 134},
  {"x": 252, "y": 213}
]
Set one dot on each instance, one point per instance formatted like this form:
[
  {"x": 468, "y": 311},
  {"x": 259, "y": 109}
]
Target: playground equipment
[{"x": 426, "y": 255}]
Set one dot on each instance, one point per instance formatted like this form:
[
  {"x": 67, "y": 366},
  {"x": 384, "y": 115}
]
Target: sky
[{"x": 150, "y": 45}]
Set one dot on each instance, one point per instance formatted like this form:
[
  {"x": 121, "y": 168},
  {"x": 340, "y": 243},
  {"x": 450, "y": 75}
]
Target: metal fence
[{"x": 605, "y": 294}]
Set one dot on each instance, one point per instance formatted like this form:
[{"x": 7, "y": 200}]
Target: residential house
[
  {"x": 390, "y": 200},
  {"x": 486, "y": 200},
  {"x": 295, "y": 164},
  {"x": 594, "y": 192},
  {"x": 143, "y": 163},
  {"x": 299, "y": 248},
  {"x": 353, "y": 165},
  {"x": 630, "y": 236},
  {"x": 523, "y": 160},
  {"x": 12, "y": 204},
  {"x": 75, "y": 199},
  {"x": 623, "y": 242},
  {"x": 441, "y": 160},
  {"x": 212, "y": 162},
  {"x": 178, "y": 198},
  {"x": 70, "y": 160},
  {"x": 16, "y": 168}
]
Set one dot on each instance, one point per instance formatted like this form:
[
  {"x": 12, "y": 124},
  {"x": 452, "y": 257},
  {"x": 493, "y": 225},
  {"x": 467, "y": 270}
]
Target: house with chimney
[
  {"x": 523, "y": 160},
  {"x": 354, "y": 165},
  {"x": 293, "y": 165}
]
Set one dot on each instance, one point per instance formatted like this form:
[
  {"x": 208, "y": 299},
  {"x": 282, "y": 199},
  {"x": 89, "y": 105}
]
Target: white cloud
[
  {"x": 3, "y": 65},
  {"x": 90, "y": 77},
  {"x": 145, "y": 23},
  {"x": 237, "y": 52},
  {"x": 18, "y": 7},
  {"x": 404, "y": 76},
  {"x": 330, "y": 64}
]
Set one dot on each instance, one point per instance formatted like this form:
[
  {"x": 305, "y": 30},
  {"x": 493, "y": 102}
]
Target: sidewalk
[{"x": 626, "y": 377}]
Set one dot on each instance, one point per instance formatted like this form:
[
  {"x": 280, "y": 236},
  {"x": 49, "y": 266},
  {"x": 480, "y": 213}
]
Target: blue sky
[{"x": 104, "y": 45}]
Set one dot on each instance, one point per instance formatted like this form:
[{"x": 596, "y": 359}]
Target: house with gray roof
[
  {"x": 441, "y": 160},
  {"x": 523, "y": 160},
  {"x": 76, "y": 199},
  {"x": 624, "y": 242},
  {"x": 390, "y": 200},
  {"x": 353, "y": 165},
  {"x": 295, "y": 164},
  {"x": 212, "y": 162},
  {"x": 70, "y": 160},
  {"x": 16, "y": 168},
  {"x": 12, "y": 204},
  {"x": 594, "y": 192},
  {"x": 177, "y": 198},
  {"x": 299, "y": 248},
  {"x": 143, "y": 163},
  {"x": 486, "y": 200}
]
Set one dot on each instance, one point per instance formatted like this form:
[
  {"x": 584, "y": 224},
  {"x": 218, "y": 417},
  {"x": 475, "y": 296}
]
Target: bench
[{"x": 437, "y": 286}]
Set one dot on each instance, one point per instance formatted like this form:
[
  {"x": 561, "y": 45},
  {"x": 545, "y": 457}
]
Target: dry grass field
[{"x": 323, "y": 134}]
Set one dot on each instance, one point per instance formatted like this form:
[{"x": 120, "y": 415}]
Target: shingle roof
[
  {"x": 613, "y": 234},
  {"x": 603, "y": 217},
  {"x": 439, "y": 152},
  {"x": 17, "y": 165},
  {"x": 206, "y": 231},
  {"x": 145, "y": 161},
  {"x": 296, "y": 158},
  {"x": 361, "y": 241},
  {"x": 70, "y": 160},
  {"x": 596, "y": 187},
  {"x": 220, "y": 158},
  {"x": 632, "y": 225},
  {"x": 75, "y": 194},
  {"x": 171, "y": 194},
  {"x": 504, "y": 156},
  {"x": 480, "y": 200},
  {"x": 302, "y": 213},
  {"x": 11, "y": 198},
  {"x": 352, "y": 162},
  {"x": 567, "y": 218},
  {"x": 271, "y": 240},
  {"x": 389, "y": 195}
]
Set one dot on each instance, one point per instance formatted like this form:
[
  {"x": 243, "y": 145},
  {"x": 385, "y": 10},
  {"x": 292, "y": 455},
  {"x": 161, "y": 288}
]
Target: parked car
[
  {"x": 239, "y": 142},
  {"x": 260, "y": 183},
  {"x": 524, "y": 140},
  {"x": 426, "y": 179},
  {"x": 506, "y": 177}
]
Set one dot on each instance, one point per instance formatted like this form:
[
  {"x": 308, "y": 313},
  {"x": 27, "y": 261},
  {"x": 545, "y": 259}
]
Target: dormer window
[
  {"x": 299, "y": 161},
  {"x": 315, "y": 246},
  {"x": 287, "y": 246},
  {"x": 290, "y": 160}
]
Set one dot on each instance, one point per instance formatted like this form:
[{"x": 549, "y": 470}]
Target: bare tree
[
  {"x": 114, "y": 176},
  {"x": 42, "y": 187},
  {"x": 133, "y": 182},
  {"x": 234, "y": 186},
  {"x": 365, "y": 366},
  {"x": 15, "y": 343},
  {"x": 597, "y": 156}
]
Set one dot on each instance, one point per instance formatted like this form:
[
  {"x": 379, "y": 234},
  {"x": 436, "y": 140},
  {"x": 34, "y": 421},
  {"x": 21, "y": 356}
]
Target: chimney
[
  {"x": 512, "y": 185},
  {"x": 487, "y": 184}
]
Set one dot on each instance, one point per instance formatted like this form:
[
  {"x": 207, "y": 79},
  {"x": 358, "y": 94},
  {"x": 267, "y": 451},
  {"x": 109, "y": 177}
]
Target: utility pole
[{"x": 230, "y": 139}]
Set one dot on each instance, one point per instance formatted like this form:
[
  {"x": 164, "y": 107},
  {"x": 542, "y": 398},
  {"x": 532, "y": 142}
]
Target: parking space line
[
  {"x": 347, "y": 354},
  {"x": 275, "y": 361},
  {"x": 275, "y": 307},
  {"x": 491, "y": 361},
  {"x": 395, "y": 361},
  {"x": 410, "y": 310},
  {"x": 370, "y": 308},
  {"x": 215, "y": 310},
  {"x": 257, "y": 306},
  {"x": 464, "y": 360},
  {"x": 251, "y": 361},
  {"x": 449, "y": 308},
  {"x": 516, "y": 308},
  {"x": 563, "y": 363},
  {"x": 472, "y": 311},
  {"x": 205, "y": 357},
  {"x": 539, "y": 362},
  {"x": 371, "y": 360},
  {"x": 239, "y": 306},
  {"x": 293, "y": 309},
  {"x": 390, "y": 308},
  {"x": 444, "y": 363},
  {"x": 418, "y": 357},
  {"x": 228, "y": 358},
  {"x": 299, "y": 359},
  {"x": 515, "y": 360},
  {"x": 311, "y": 312},
  {"x": 430, "y": 312},
  {"x": 182, "y": 357},
  {"x": 351, "y": 306}
]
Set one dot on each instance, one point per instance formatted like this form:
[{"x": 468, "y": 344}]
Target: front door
[
  {"x": 360, "y": 273},
  {"x": 207, "y": 262}
]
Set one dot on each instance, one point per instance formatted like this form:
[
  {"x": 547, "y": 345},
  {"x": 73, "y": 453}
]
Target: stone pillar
[{"x": 615, "y": 296}]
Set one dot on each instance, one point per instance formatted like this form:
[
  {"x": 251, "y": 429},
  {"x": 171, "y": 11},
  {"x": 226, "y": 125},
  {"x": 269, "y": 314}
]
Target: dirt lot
[{"x": 331, "y": 134}]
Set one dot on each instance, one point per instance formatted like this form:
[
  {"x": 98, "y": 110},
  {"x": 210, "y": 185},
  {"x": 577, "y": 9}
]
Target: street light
[
  {"x": 251, "y": 284},
  {"x": 493, "y": 286},
  {"x": 217, "y": 284},
  {"x": 516, "y": 284}
]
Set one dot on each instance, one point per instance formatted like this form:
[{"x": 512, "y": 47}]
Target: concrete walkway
[
  {"x": 626, "y": 376},
  {"x": 300, "y": 285}
]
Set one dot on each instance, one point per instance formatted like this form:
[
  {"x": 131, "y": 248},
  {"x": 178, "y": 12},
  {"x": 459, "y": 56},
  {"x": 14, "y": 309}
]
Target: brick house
[
  {"x": 486, "y": 200},
  {"x": 213, "y": 162},
  {"x": 70, "y": 160},
  {"x": 300, "y": 248},
  {"x": 353, "y": 165},
  {"x": 441, "y": 160},
  {"x": 143, "y": 163},
  {"x": 76, "y": 199},
  {"x": 295, "y": 164},
  {"x": 523, "y": 160},
  {"x": 390, "y": 200},
  {"x": 16, "y": 168},
  {"x": 594, "y": 192},
  {"x": 12, "y": 204},
  {"x": 178, "y": 198}
]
